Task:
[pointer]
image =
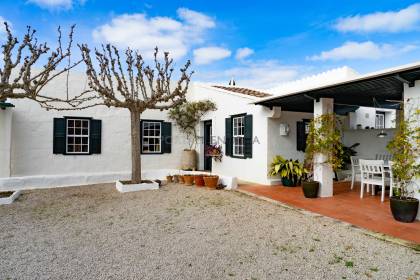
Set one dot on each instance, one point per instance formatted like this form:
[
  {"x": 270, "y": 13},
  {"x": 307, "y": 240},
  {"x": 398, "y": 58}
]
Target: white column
[
  {"x": 323, "y": 173},
  {"x": 412, "y": 102},
  {"x": 5, "y": 141}
]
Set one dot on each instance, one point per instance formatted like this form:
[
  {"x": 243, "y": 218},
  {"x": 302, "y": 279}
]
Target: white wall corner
[{"x": 6, "y": 116}]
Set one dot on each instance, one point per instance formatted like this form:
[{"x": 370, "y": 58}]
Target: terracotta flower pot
[
  {"x": 169, "y": 178},
  {"x": 181, "y": 179},
  {"x": 199, "y": 180},
  {"x": 211, "y": 181},
  {"x": 189, "y": 180},
  {"x": 176, "y": 178}
]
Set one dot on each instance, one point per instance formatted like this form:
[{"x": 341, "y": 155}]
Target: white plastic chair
[
  {"x": 384, "y": 157},
  {"x": 355, "y": 169},
  {"x": 372, "y": 173}
]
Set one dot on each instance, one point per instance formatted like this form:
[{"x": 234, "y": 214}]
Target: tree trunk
[{"x": 135, "y": 147}]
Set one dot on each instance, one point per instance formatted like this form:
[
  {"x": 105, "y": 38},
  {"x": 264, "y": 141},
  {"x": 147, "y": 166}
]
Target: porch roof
[{"x": 384, "y": 88}]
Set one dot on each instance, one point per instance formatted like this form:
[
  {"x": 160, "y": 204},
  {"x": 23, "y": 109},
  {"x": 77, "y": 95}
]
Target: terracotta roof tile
[{"x": 245, "y": 91}]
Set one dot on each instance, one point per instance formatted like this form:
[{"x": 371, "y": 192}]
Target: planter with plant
[
  {"x": 187, "y": 117},
  {"x": 211, "y": 181},
  {"x": 169, "y": 178},
  {"x": 199, "y": 180},
  {"x": 189, "y": 179},
  {"x": 181, "y": 179},
  {"x": 405, "y": 150},
  {"x": 324, "y": 138},
  {"x": 290, "y": 171},
  {"x": 214, "y": 151},
  {"x": 176, "y": 178}
]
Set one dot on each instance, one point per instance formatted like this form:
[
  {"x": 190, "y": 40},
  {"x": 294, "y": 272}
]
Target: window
[
  {"x": 380, "y": 120},
  {"x": 151, "y": 137},
  {"x": 77, "y": 136},
  {"x": 238, "y": 136}
]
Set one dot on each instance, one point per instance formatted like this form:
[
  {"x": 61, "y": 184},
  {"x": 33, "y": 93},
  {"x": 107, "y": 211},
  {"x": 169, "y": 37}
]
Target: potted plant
[
  {"x": 187, "y": 117},
  {"x": 405, "y": 150},
  {"x": 181, "y": 179},
  {"x": 211, "y": 180},
  {"x": 169, "y": 178},
  {"x": 290, "y": 171},
  {"x": 214, "y": 151},
  {"x": 176, "y": 178},
  {"x": 323, "y": 138},
  {"x": 189, "y": 179},
  {"x": 199, "y": 180}
]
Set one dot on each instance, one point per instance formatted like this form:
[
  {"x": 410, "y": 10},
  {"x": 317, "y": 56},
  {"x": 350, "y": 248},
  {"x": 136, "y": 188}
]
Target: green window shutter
[
  {"x": 59, "y": 136},
  {"x": 166, "y": 137},
  {"x": 95, "y": 136},
  {"x": 228, "y": 136},
  {"x": 248, "y": 136}
]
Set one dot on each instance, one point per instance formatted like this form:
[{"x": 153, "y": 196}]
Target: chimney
[{"x": 232, "y": 82}]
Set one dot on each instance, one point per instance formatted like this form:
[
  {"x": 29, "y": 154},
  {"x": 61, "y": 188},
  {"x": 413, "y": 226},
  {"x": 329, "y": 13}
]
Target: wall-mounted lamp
[
  {"x": 382, "y": 134},
  {"x": 284, "y": 129}
]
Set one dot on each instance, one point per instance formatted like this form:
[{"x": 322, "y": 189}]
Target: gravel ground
[{"x": 183, "y": 232}]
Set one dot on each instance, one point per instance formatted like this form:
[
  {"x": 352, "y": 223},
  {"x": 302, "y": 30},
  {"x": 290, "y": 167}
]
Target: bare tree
[
  {"x": 131, "y": 85},
  {"x": 28, "y": 66}
]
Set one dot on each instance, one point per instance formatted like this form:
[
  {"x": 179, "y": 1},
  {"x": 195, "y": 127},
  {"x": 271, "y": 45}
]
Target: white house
[{"x": 39, "y": 147}]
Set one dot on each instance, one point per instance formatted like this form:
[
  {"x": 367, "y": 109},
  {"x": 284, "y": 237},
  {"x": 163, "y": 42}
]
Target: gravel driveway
[{"x": 183, "y": 232}]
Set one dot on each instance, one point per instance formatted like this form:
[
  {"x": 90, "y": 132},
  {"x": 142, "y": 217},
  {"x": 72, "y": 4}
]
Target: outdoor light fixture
[{"x": 382, "y": 134}]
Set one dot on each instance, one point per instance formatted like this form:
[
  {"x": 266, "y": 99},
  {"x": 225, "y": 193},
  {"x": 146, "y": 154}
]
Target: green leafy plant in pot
[
  {"x": 290, "y": 171},
  {"x": 323, "y": 138},
  {"x": 405, "y": 149}
]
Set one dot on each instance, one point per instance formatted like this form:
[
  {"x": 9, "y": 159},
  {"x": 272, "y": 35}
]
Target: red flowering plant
[{"x": 214, "y": 151}]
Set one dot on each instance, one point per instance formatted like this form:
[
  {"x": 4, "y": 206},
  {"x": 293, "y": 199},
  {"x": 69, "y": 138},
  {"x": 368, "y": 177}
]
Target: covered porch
[
  {"x": 385, "y": 90},
  {"x": 368, "y": 213}
]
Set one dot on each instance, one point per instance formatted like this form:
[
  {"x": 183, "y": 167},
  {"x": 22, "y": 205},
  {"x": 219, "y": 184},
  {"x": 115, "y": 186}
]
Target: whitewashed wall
[
  {"x": 32, "y": 134},
  {"x": 284, "y": 146},
  {"x": 370, "y": 144},
  {"x": 251, "y": 169},
  {"x": 6, "y": 117},
  {"x": 366, "y": 116}
]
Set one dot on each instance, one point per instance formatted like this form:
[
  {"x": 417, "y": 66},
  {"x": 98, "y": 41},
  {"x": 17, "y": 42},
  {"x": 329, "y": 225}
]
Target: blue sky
[{"x": 260, "y": 43}]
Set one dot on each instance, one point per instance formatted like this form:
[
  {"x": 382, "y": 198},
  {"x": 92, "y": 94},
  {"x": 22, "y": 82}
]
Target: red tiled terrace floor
[{"x": 345, "y": 205}]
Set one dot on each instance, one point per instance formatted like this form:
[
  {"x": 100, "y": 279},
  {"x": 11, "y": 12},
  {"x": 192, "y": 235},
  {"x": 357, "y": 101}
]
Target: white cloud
[
  {"x": 392, "y": 21},
  {"x": 53, "y": 4},
  {"x": 195, "y": 18},
  {"x": 144, "y": 33},
  {"x": 242, "y": 53},
  {"x": 260, "y": 74},
  {"x": 363, "y": 50},
  {"x": 210, "y": 54}
]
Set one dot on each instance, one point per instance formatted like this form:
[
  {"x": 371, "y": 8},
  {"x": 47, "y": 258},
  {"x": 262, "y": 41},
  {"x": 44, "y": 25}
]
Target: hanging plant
[
  {"x": 324, "y": 138},
  {"x": 214, "y": 151}
]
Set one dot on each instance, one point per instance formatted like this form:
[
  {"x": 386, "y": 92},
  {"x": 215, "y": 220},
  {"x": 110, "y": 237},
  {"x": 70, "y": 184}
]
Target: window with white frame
[
  {"x": 77, "y": 136},
  {"x": 380, "y": 120},
  {"x": 151, "y": 137},
  {"x": 238, "y": 135}
]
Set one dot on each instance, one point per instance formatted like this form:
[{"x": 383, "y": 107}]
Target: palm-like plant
[{"x": 290, "y": 169}]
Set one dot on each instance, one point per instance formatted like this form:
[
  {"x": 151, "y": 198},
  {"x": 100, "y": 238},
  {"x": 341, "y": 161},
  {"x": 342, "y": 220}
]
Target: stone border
[
  {"x": 377, "y": 235},
  {"x": 10, "y": 199}
]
